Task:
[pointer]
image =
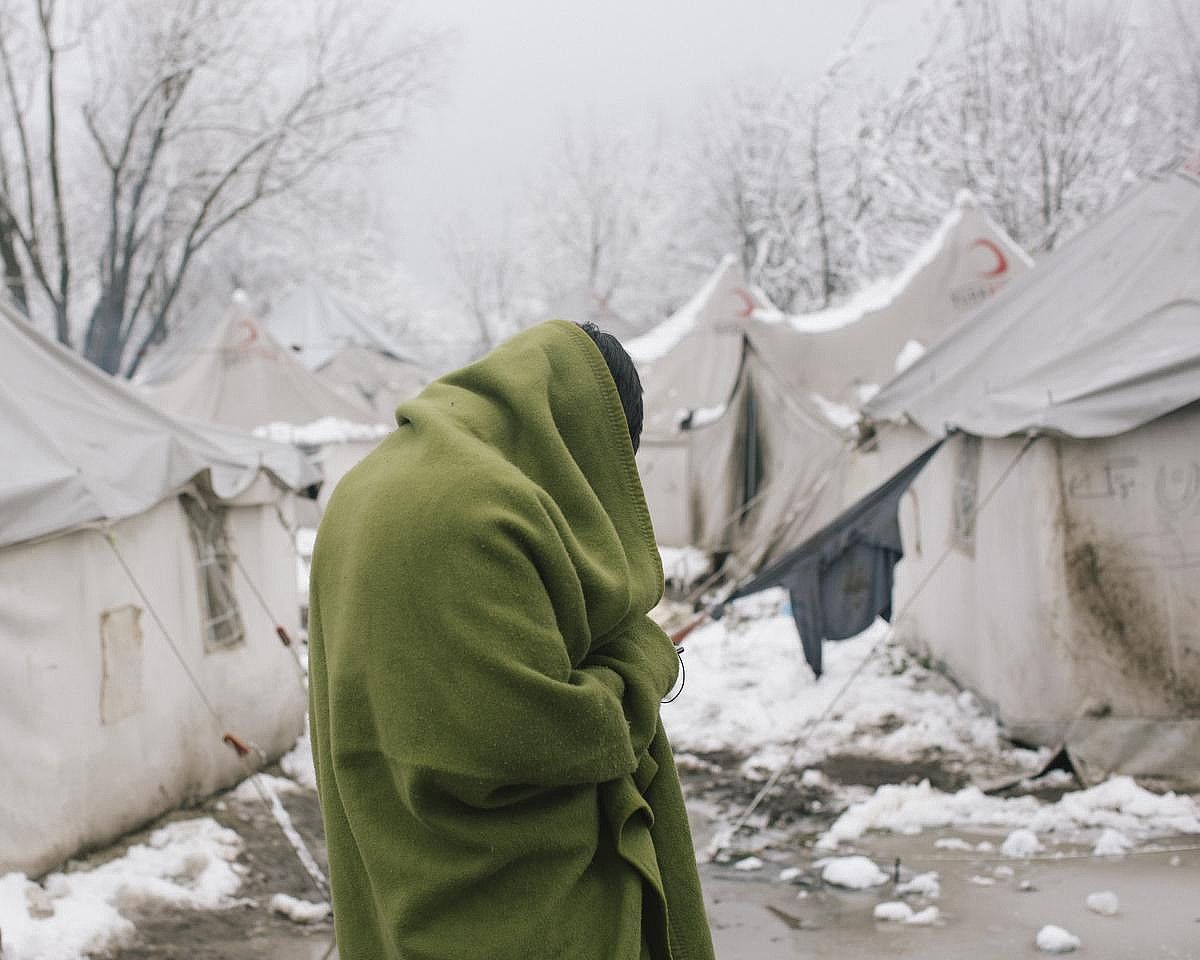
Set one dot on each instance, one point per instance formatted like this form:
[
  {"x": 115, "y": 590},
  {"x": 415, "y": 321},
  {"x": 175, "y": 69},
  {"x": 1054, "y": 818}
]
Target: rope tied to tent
[
  {"x": 239, "y": 745},
  {"x": 808, "y": 730}
]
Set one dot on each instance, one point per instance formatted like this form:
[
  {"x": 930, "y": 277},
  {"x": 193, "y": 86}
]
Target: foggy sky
[{"x": 522, "y": 69}]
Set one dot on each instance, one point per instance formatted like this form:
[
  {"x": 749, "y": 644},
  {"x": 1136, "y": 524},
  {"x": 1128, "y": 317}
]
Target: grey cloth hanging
[{"x": 840, "y": 579}]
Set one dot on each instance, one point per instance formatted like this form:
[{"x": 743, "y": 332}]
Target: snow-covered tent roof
[
  {"x": 315, "y": 323},
  {"x": 1101, "y": 338},
  {"x": 84, "y": 447},
  {"x": 242, "y": 377},
  {"x": 690, "y": 361},
  {"x": 862, "y": 342}
]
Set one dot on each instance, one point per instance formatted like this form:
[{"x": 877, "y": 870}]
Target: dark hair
[{"x": 625, "y": 376}]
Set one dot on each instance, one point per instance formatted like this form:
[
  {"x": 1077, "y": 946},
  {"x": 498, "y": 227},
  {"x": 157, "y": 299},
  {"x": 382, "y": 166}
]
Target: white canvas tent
[
  {"x": 242, "y": 377},
  {"x": 345, "y": 349},
  {"x": 118, "y": 531},
  {"x": 768, "y": 397},
  {"x": 847, "y": 351},
  {"x": 732, "y": 461},
  {"x": 1069, "y": 603}
]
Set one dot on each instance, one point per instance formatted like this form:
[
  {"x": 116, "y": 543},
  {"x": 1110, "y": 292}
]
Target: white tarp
[
  {"x": 315, "y": 324},
  {"x": 1103, "y": 337},
  {"x": 242, "y": 377},
  {"x": 83, "y": 447}
]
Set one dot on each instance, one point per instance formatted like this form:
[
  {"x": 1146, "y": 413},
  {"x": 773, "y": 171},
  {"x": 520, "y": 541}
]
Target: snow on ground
[
  {"x": 684, "y": 565},
  {"x": 1104, "y": 902},
  {"x": 853, "y": 873},
  {"x": 1052, "y": 939},
  {"x": 189, "y": 863},
  {"x": 299, "y": 911},
  {"x": 749, "y": 690},
  {"x": 1118, "y": 804},
  {"x": 297, "y": 763}
]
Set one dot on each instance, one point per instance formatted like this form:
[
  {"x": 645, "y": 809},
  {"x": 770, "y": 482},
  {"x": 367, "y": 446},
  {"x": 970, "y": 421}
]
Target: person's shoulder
[{"x": 412, "y": 487}]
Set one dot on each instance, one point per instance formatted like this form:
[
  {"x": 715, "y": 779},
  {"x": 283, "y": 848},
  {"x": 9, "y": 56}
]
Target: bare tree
[
  {"x": 191, "y": 116},
  {"x": 485, "y": 274},
  {"x": 598, "y": 213},
  {"x": 1047, "y": 112}
]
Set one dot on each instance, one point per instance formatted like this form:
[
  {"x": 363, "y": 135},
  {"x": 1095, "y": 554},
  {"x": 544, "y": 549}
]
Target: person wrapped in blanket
[{"x": 485, "y": 679}]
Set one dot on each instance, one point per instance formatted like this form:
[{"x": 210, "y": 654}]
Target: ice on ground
[
  {"x": 1021, "y": 844},
  {"x": 1119, "y": 804},
  {"x": 788, "y": 874},
  {"x": 323, "y": 431},
  {"x": 1004, "y": 872},
  {"x": 922, "y": 885},
  {"x": 297, "y": 763},
  {"x": 952, "y": 843},
  {"x": 299, "y": 911},
  {"x": 189, "y": 863},
  {"x": 983, "y": 881},
  {"x": 853, "y": 873},
  {"x": 926, "y": 918},
  {"x": 749, "y": 863},
  {"x": 1112, "y": 843},
  {"x": 895, "y": 910},
  {"x": 1104, "y": 902},
  {"x": 749, "y": 690},
  {"x": 1052, "y": 939}
]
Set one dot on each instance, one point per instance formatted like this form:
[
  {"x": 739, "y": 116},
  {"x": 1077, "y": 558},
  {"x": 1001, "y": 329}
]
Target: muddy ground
[{"x": 755, "y": 915}]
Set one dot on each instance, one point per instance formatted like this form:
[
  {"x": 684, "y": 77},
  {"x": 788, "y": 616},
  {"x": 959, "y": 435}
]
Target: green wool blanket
[{"x": 485, "y": 681}]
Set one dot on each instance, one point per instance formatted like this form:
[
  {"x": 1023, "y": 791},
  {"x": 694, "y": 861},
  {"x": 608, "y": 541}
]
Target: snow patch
[
  {"x": 299, "y": 911},
  {"x": 323, "y": 431},
  {"x": 189, "y": 863},
  {"x": 1118, "y": 804},
  {"x": 1021, "y": 844},
  {"x": 853, "y": 873},
  {"x": 893, "y": 910},
  {"x": 1112, "y": 843},
  {"x": 249, "y": 792},
  {"x": 1104, "y": 902},
  {"x": 926, "y": 918},
  {"x": 1052, "y": 939},
  {"x": 746, "y": 864},
  {"x": 922, "y": 885},
  {"x": 297, "y": 763},
  {"x": 750, "y": 691}
]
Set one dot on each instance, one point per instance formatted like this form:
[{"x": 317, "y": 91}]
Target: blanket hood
[{"x": 545, "y": 402}]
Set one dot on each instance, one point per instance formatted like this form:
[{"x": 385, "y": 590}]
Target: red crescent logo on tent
[
  {"x": 747, "y": 301},
  {"x": 1001, "y": 262},
  {"x": 249, "y": 332}
]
